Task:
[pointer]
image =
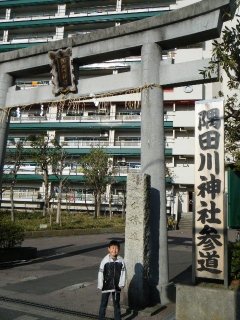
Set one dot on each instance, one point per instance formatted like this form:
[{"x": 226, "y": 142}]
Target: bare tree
[
  {"x": 110, "y": 200},
  {"x": 14, "y": 159},
  {"x": 95, "y": 169},
  {"x": 60, "y": 163},
  {"x": 43, "y": 153}
]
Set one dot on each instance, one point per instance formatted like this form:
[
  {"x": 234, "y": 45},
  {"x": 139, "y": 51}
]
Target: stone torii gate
[{"x": 198, "y": 22}]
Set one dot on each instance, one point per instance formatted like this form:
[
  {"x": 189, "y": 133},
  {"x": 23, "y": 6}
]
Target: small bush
[
  {"x": 234, "y": 260},
  {"x": 11, "y": 235}
]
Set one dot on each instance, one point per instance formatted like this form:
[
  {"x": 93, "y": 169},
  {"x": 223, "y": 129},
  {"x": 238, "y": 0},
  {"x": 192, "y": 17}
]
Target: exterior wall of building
[{"x": 84, "y": 127}]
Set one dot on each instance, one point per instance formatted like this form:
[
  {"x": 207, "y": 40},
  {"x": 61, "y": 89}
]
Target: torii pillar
[
  {"x": 153, "y": 163},
  {"x": 5, "y": 82}
]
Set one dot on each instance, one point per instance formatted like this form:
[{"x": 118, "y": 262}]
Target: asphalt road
[{"x": 64, "y": 275}]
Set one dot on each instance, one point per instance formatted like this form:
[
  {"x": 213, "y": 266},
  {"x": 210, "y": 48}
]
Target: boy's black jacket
[
  {"x": 112, "y": 273},
  {"x": 111, "y": 276}
]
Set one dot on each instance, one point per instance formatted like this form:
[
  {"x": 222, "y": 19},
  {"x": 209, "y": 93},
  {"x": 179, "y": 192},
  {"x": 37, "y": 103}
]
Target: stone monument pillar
[
  {"x": 137, "y": 232},
  {"x": 5, "y": 82},
  {"x": 153, "y": 163}
]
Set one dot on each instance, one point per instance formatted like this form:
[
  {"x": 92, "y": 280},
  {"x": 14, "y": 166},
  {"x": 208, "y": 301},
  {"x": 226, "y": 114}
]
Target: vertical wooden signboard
[
  {"x": 209, "y": 189},
  {"x": 63, "y": 78}
]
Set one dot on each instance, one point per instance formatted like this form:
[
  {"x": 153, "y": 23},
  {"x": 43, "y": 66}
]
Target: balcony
[
  {"x": 129, "y": 116},
  {"x": 94, "y": 117},
  {"x": 74, "y": 18},
  {"x": 29, "y": 118},
  {"x": 6, "y": 46},
  {"x": 22, "y": 195},
  {"x": 85, "y": 12},
  {"x": 72, "y": 197},
  {"x": 128, "y": 142},
  {"x": 18, "y": 3},
  {"x": 84, "y": 143},
  {"x": 23, "y": 85},
  {"x": 28, "y": 168},
  {"x": 124, "y": 170}
]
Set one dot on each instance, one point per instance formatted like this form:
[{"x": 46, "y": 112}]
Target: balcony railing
[
  {"x": 28, "y": 39},
  {"x": 29, "y": 119},
  {"x": 70, "y": 197},
  {"x": 95, "y": 143},
  {"x": 22, "y": 85},
  {"x": 95, "y": 117},
  {"x": 124, "y": 170},
  {"x": 23, "y": 195},
  {"x": 127, "y": 143},
  {"x": 100, "y": 143},
  {"x": 76, "y": 118},
  {"x": 24, "y": 169},
  {"x": 84, "y": 12},
  {"x": 85, "y": 143},
  {"x": 130, "y": 116},
  {"x": 118, "y": 117},
  {"x": 74, "y": 170}
]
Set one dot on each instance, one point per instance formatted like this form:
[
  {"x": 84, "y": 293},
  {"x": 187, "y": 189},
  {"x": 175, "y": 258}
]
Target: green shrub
[
  {"x": 234, "y": 260},
  {"x": 11, "y": 235}
]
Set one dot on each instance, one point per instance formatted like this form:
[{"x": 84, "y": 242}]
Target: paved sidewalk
[{"x": 65, "y": 271}]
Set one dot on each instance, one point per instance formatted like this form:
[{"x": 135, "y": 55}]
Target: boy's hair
[{"x": 114, "y": 243}]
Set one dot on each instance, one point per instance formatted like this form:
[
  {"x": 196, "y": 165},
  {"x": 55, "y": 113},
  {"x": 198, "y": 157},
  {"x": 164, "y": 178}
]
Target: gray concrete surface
[
  {"x": 65, "y": 274},
  {"x": 212, "y": 303},
  {"x": 200, "y": 21}
]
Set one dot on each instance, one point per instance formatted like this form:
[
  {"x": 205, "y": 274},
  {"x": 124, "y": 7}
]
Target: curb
[{"x": 71, "y": 232}]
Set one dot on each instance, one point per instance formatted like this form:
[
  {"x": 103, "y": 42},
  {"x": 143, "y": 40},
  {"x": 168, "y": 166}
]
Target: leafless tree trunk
[
  {"x": 12, "y": 203},
  {"x": 46, "y": 197},
  {"x": 59, "y": 203},
  {"x": 14, "y": 160},
  {"x": 98, "y": 203},
  {"x": 110, "y": 201},
  {"x": 95, "y": 206},
  {"x": 86, "y": 204}
]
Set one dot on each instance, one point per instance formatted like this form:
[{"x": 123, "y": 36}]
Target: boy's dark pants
[{"x": 116, "y": 304}]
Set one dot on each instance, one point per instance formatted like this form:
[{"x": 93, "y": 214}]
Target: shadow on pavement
[{"x": 53, "y": 254}]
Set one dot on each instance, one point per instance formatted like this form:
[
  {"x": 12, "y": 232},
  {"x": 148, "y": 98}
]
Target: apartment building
[{"x": 113, "y": 123}]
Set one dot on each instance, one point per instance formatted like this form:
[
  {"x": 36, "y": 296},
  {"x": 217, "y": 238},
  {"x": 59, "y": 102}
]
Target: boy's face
[{"x": 113, "y": 251}]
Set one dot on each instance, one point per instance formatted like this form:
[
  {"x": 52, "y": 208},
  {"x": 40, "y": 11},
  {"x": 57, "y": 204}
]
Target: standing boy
[{"x": 111, "y": 278}]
